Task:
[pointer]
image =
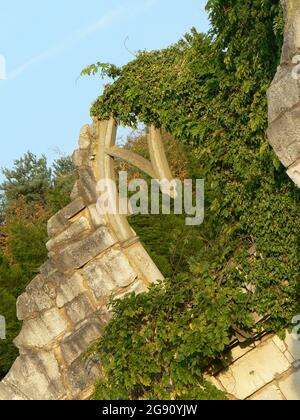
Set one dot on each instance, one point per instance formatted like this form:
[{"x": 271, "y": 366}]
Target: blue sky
[{"x": 47, "y": 43}]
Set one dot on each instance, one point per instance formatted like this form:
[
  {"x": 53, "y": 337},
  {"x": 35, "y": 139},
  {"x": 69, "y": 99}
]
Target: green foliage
[
  {"x": 30, "y": 178},
  {"x": 24, "y": 250},
  {"x": 159, "y": 343},
  {"x": 209, "y": 91},
  {"x": 30, "y": 194},
  {"x": 105, "y": 69}
]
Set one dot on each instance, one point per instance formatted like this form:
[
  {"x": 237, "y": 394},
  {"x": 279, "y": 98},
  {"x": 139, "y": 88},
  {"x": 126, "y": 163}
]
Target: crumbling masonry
[{"x": 64, "y": 309}]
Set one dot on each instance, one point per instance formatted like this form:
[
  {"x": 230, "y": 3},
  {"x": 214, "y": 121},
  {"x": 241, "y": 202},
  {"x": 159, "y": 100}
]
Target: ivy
[{"x": 209, "y": 92}]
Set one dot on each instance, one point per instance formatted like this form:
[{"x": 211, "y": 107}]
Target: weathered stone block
[
  {"x": 81, "y": 376},
  {"x": 48, "y": 268},
  {"x": 8, "y": 393},
  {"x": 75, "y": 231},
  {"x": 75, "y": 193},
  {"x": 290, "y": 386},
  {"x": 292, "y": 30},
  {"x": 284, "y": 136},
  {"x": 37, "y": 375},
  {"x": 39, "y": 332},
  {"x": 279, "y": 343},
  {"x": 79, "y": 309},
  {"x": 69, "y": 290},
  {"x": 59, "y": 222},
  {"x": 45, "y": 286},
  {"x": 85, "y": 137},
  {"x": 283, "y": 94},
  {"x": 253, "y": 371},
  {"x": 33, "y": 301},
  {"x": 87, "y": 186},
  {"x": 143, "y": 263},
  {"x": 73, "y": 208},
  {"x": 73, "y": 345},
  {"x": 294, "y": 172},
  {"x": 293, "y": 346},
  {"x": 137, "y": 287},
  {"x": 270, "y": 393},
  {"x": 81, "y": 159},
  {"x": 108, "y": 273},
  {"x": 80, "y": 253}
]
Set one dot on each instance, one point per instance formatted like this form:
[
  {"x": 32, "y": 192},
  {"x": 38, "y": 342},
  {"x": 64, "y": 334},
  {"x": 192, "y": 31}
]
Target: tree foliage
[{"x": 29, "y": 178}]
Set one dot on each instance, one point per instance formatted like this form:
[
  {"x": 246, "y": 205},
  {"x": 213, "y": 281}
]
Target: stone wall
[
  {"x": 64, "y": 309},
  {"x": 266, "y": 369},
  {"x": 284, "y": 96}
]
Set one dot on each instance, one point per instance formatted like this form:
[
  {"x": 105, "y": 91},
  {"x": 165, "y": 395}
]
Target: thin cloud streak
[{"x": 106, "y": 21}]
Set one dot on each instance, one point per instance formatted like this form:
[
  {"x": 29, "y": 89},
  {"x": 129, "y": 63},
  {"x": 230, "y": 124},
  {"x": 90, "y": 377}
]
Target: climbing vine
[{"x": 209, "y": 92}]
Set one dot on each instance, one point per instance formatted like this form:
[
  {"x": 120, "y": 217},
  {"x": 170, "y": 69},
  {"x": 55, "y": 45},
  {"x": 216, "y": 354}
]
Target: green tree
[
  {"x": 31, "y": 194},
  {"x": 29, "y": 178}
]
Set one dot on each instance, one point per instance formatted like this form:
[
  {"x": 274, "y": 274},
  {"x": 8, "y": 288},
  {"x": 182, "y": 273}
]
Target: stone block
[
  {"x": 37, "y": 375},
  {"x": 75, "y": 193},
  {"x": 292, "y": 30},
  {"x": 52, "y": 282},
  {"x": 75, "y": 231},
  {"x": 46, "y": 283},
  {"x": 76, "y": 343},
  {"x": 137, "y": 287},
  {"x": 81, "y": 376},
  {"x": 87, "y": 186},
  {"x": 78, "y": 254},
  {"x": 56, "y": 225},
  {"x": 290, "y": 386},
  {"x": 81, "y": 159},
  {"x": 293, "y": 346},
  {"x": 48, "y": 268},
  {"x": 294, "y": 172},
  {"x": 9, "y": 393},
  {"x": 269, "y": 393},
  {"x": 41, "y": 331},
  {"x": 73, "y": 208},
  {"x": 143, "y": 263},
  {"x": 279, "y": 343},
  {"x": 253, "y": 371},
  {"x": 85, "y": 137},
  {"x": 284, "y": 136},
  {"x": 79, "y": 309},
  {"x": 108, "y": 273},
  {"x": 283, "y": 94},
  {"x": 59, "y": 222},
  {"x": 69, "y": 290},
  {"x": 99, "y": 281},
  {"x": 30, "y": 303}
]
